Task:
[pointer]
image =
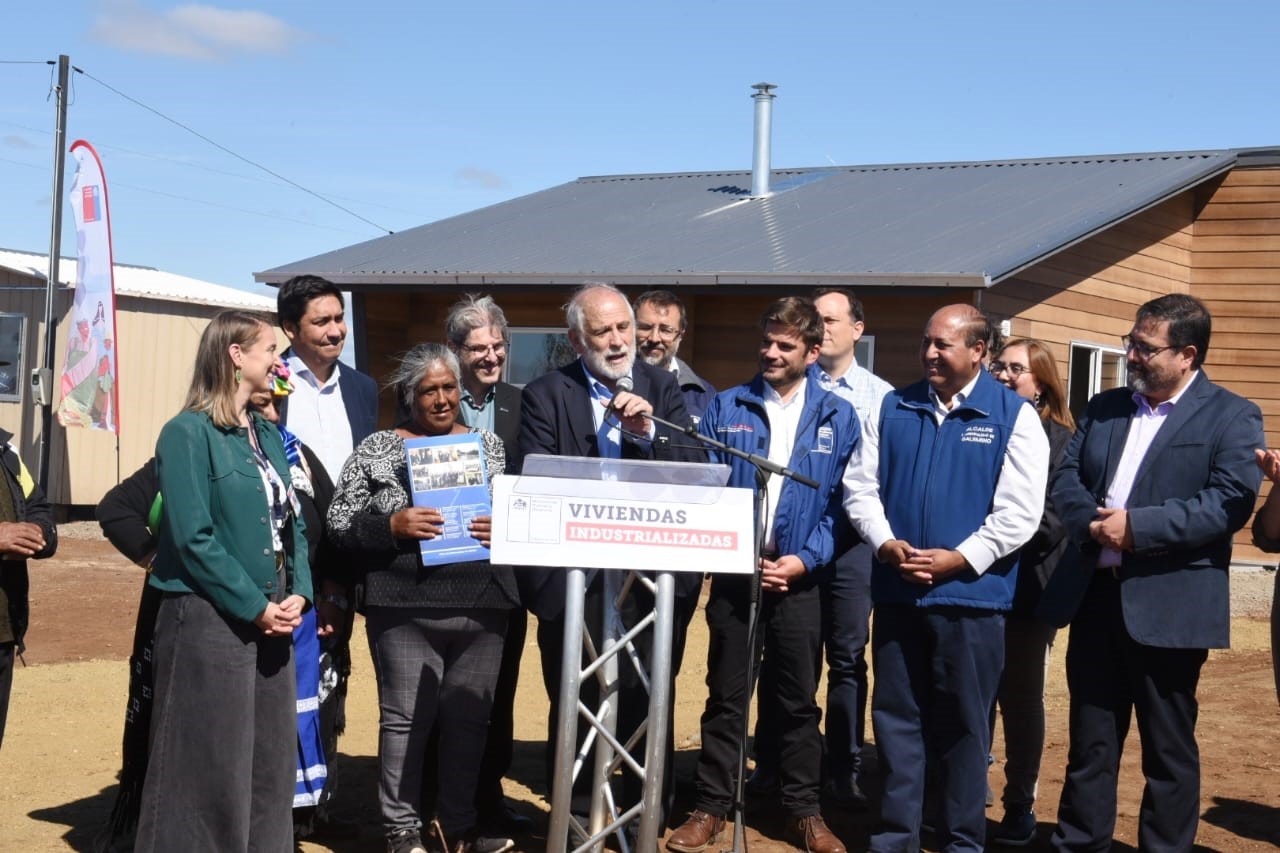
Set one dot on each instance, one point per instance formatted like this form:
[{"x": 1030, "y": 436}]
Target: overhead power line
[
  {"x": 227, "y": 150},
  {"x": 190, "y": 164}
]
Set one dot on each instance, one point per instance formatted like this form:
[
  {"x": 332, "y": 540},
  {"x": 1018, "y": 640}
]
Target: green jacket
[{"x": 215, "y": 540}]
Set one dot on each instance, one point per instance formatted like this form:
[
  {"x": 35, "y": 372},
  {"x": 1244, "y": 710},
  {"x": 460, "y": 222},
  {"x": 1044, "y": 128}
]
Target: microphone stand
[{"x": 764, "y": 467}]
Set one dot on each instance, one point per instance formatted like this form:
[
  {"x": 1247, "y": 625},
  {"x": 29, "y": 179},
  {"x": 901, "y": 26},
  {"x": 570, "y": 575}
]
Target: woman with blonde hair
[
  {"x": 231, "y": 563},
  {"x": 1027, "y": 366}
]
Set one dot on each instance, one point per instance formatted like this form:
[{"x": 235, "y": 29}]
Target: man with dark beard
[
  {"x": 1155, "y": 483},
  {"x": 660, "y": 327},
  {"x": 579, "y": 410}
]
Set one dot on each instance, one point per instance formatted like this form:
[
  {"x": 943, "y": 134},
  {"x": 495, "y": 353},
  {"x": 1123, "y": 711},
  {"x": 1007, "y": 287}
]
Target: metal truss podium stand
[{"x": 605, "y": 751}]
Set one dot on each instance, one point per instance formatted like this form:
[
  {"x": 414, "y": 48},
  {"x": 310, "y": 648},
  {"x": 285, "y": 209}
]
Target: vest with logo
[{"x": 937, "y": 485}]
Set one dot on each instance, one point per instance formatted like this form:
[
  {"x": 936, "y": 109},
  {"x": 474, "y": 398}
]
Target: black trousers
[
  {"x": 498, "y": 748},
  {"x": 790, "y": 633},
  {"x": 6, "y": 682},
  {"x": 846, "y": 630},
  {"x": 633, "y": 698},
  {"x": 1112, "y": 677}
]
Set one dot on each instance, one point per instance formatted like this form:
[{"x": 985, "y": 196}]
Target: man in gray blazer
[
  {"x": 1155, "y": 482},
  {"x": 477, "y": 332}
]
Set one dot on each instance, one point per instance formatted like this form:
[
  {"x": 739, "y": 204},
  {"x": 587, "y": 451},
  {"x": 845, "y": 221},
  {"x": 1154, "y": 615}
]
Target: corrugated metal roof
[
  {"x": 145, "y": 282},
  {"x": 920, "y": 223}
]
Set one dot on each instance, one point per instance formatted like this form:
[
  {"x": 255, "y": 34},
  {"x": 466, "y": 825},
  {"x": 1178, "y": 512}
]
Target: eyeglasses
[
  {"x": 1014, "y": 370},
  {"x": 485, "y": 349},
  {"x": 1141, "y": 350},
  {"x": 663, "y": 331}
]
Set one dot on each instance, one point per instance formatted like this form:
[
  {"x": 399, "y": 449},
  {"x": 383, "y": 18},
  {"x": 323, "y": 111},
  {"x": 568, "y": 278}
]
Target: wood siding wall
[
  {"x": 1236, "y": 272},
  {"x": 1221, "y": 245},
  {"x": 720, "y": 344},
  {"x": 1090, "y": 292}
]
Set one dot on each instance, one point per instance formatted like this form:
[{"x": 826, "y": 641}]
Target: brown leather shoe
[
  {"x": 696, "y": 833},
  {"x": 810, "y": 833}
]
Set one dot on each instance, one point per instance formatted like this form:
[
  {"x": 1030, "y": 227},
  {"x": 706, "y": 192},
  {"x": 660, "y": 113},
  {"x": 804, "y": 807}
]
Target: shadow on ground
[
  {"x": 1244, "y": 818},
  {"x": 357, "y": 797}
]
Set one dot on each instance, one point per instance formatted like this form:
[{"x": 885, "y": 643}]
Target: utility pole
[{"x": 42, "y": 378}]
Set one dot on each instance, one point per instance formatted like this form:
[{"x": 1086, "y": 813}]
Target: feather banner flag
[{"x": 89, "y": 373}]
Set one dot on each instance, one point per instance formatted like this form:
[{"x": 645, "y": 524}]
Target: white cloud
[
  {"x": 193, "y": 31},
  {"x": 481, "y": 178}
]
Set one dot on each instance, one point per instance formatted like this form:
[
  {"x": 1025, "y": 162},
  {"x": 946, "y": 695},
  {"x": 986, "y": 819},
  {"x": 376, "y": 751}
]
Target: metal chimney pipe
[{"x": 764, "y": 131}]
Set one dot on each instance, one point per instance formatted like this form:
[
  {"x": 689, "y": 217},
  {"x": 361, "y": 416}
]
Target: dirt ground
[{"x": 61, "y": 750}]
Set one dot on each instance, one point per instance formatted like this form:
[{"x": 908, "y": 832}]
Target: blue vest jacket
[
  {"x": 809, "y": 523},
  {"x": 937, "y": 484}
]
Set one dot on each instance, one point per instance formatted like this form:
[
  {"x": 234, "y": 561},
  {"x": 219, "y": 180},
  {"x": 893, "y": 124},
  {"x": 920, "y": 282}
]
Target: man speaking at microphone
[{"x": 597, "y": 406}]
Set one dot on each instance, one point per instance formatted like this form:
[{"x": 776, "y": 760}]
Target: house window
[
  {"x": 864, "y": 352},
  {"x": 12, "y": 340},
  {"x": 1093, "y": 368},
  {"x": 534, "y": 351}
]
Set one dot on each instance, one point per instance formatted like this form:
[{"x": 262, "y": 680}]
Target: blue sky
[{"x": 409, "y": 112}]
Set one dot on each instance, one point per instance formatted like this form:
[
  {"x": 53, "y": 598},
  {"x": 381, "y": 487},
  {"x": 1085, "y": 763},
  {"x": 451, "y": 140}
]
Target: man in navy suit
[
  {"x": 1155, "y": 482},
  {"x": 565, "y": 414},
  {"x": 332, "y": 409}
]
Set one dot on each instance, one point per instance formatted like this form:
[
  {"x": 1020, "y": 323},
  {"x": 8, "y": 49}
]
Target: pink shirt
[{"x": 1146, "y": 422}]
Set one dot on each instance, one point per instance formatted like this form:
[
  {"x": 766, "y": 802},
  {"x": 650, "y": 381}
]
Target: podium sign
[{"x": 553, "y": 521}]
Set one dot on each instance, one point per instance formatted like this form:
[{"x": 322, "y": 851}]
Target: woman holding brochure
[{"x": 435, "y": 629}]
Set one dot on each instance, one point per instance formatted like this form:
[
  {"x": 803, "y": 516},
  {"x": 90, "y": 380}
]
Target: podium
[{"x": 638, "y": 521}]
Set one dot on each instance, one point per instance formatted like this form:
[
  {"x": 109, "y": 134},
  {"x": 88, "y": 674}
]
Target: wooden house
[{"x": 1063, "y": 249}]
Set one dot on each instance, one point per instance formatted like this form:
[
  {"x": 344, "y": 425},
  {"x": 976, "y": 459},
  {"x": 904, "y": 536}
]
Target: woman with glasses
[{"x": 1026, "y": 366}]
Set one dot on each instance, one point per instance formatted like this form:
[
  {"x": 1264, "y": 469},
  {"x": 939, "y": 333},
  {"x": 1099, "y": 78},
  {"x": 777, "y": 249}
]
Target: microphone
[{"x": 621, "y": 385}]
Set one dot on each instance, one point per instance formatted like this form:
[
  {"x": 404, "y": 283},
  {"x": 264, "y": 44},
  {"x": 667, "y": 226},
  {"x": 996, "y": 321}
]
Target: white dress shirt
[
  {"x": 1016, "y": 506},
  {"x": 317, "y": 416},
  {"x": 784, "y": 421}
]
